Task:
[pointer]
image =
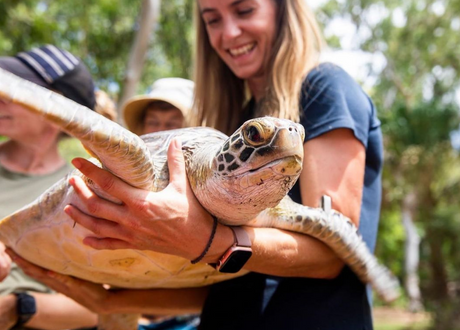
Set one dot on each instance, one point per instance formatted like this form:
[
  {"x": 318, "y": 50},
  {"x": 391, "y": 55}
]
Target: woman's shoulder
[
  {"x": 329, "y": 74},
  {"x": 331, "y": 98},
  {"x": 330, "y": 82}
]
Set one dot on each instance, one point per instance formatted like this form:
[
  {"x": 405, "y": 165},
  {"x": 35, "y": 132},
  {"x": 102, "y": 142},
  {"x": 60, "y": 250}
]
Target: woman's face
[{"x": 241, "y": 32}]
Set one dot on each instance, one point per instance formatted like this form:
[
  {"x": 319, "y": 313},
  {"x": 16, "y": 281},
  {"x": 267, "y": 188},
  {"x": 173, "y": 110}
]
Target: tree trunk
[
  {"x": 149, "y": 13},
  {"x": 411, "y": 252}
]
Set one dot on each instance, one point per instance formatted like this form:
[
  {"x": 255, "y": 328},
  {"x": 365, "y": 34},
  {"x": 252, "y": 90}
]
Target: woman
[{"x": 268, "y": 49}]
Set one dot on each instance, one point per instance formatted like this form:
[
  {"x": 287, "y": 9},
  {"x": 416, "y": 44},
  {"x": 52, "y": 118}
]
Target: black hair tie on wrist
[{"x": 206, "y": 249}]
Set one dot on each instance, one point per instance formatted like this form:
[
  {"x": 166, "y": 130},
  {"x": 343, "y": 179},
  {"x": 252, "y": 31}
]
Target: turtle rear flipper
[{"x": 15, "y": 229}]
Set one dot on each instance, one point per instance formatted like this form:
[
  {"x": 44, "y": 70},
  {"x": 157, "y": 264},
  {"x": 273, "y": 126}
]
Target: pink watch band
[{"x": 241, "y": 237}]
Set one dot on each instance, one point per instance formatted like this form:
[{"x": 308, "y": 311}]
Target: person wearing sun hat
[
  {"x": 166, "y": 106},
  {"x": 30, "y": 163}
]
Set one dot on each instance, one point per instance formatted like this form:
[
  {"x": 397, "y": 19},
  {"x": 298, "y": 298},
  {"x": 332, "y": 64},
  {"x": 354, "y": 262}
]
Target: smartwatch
[
  {"x": 237, "y": 255},
  {"x": 25, "y": 307}
]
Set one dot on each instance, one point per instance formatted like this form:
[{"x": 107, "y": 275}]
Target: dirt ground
[{"x": 388, "y": 315}]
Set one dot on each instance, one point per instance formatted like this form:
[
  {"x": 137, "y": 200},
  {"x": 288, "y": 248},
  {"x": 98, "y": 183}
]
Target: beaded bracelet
[{"x": 213, "y": 232}]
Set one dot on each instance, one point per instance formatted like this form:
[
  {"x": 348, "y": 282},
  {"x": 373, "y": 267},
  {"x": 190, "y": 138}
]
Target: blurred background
[{"x": 406, "y": 55}]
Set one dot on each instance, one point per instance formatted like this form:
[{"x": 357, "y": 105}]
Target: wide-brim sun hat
[{"x": 175, "y": 91}]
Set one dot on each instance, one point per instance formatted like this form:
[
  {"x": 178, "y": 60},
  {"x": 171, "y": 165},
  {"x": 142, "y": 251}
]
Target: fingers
[
  {"x": 176, "y": 165},
  {"x": 107, "y": 243},
  {"x": 94, "y": 204},
  {"x": 28, "y": 268},
  {"x": 104, "y": 179},
  {"x": 55, "y": 281},
  {"x": 98, "y": 226}
]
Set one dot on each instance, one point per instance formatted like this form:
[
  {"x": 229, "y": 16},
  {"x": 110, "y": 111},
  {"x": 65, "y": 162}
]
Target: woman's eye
[
  {"x": 244, "y": 12},
  {"x": 211, "y": 21}
]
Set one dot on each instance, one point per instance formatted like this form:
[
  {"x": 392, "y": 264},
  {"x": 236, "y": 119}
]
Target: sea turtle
[{"x": 235, "y": 178}]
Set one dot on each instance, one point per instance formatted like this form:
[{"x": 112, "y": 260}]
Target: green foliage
[
  {"x": 391, "y": 240},
  {"x": 101, "y": 34},
  {"x": 71, "y": 148},
  {"x": 415, "y": 97},
  {"x": 425, "y": 125},
  {"x": 176, "y": 20}
]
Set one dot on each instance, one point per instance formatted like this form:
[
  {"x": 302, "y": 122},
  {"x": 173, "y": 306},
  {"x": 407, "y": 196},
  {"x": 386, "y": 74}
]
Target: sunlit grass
[
  {"x": 71, "y": 148},
  {"x": 419, "y": 326}
]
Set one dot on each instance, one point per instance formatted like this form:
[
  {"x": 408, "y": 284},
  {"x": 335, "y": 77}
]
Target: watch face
[{"x": 236, "y": 260}]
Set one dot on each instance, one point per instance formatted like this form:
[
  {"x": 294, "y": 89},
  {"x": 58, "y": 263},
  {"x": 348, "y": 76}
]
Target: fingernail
[
  {"x": 177, "y": 143},
  {"x": 68, "y": 209},
  {"x": 76, "y": 162}
]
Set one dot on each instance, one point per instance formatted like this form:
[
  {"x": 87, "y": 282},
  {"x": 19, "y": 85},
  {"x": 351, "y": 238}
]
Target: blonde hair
[{"x": 220, "y": 96}]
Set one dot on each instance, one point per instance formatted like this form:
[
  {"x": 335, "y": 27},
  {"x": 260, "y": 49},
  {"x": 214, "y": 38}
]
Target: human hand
[
  {"x": 93, "y": 296},
  {"x": 5, "y": 263},
  {"x": 170, "y": 221}
]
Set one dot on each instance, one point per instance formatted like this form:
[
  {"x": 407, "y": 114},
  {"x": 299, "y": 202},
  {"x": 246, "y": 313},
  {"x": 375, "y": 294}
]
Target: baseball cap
[
  {"x": 55, "y": 69},
  {"x": 175, "y": 91}
]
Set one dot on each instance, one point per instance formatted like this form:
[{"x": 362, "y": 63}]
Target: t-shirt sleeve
[{"x": 332, "y": 99}]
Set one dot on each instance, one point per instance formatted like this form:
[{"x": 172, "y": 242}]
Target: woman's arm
[
  {"x": 172, "y": 221},
  {"x": 101, "y": 300},
  {"x": 54, "y": 311}
]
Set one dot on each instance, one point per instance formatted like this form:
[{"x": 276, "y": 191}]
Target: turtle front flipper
[
  {"x": 119, "y": 150},
  {"x": 340, "y": 234}
]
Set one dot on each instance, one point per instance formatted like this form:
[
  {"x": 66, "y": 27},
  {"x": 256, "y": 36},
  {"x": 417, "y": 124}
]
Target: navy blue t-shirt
[{"x": 331, "y": 99}]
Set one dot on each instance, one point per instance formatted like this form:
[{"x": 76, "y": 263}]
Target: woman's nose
[{"x": 231, "y": 29}]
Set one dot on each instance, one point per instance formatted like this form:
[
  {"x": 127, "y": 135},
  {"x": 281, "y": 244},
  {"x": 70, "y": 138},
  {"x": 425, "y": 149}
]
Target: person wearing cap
[
  {"x": 29, "y": 164},
  {"x": 165, "y": 107}
]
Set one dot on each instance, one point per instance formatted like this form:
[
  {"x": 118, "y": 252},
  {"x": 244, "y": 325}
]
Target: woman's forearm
[
  {"x": 56, "y": 311},
  {"x": 157, "y": 301},
  {"x": 281, "y": 253}
]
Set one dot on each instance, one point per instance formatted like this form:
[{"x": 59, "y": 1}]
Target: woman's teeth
[{"x": 241, "y": 50}]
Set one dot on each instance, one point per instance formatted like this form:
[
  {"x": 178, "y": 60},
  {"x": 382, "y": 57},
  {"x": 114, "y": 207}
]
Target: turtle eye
[{"x": 254, "y": 135}]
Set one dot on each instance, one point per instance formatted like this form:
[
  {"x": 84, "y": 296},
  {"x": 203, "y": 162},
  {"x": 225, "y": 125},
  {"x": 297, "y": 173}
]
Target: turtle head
[{"x": 255, "y": 168}]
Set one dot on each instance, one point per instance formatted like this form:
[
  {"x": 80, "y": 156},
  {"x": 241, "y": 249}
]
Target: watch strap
[
  {"x": 240, "y": 240},
  {"x": 25, "y": 307},
  {"x": 241, "y": 237}
]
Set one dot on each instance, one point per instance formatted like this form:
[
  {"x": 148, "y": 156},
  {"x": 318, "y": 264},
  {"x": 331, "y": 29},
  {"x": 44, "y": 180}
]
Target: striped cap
[{"x": 62, "y": 71}]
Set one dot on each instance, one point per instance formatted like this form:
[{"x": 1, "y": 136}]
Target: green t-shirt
[{"x": 16, "y": 191}]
